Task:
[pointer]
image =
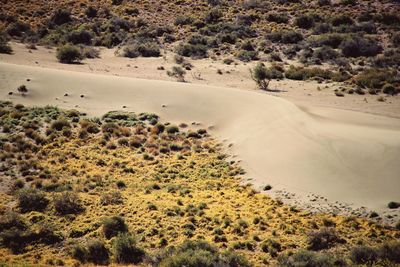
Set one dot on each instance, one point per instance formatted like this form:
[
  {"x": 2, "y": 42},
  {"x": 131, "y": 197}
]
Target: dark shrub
[
  {"x": 144, "y": 48},
  {"x": 11, "y": 220},
  {"x": 277, "y": 17},
  {"x": 69, "y": 54},
  {"x": 356, "y": 46},
  {"x": 246, "y": 56},
  {"x": 79, "y": 253},
  {"x": 363, "y": 255},
  {"x": 375, "y": 78},
  {"x": 80, "y": 37},
  {"x": 393, "y": 205},
  {"x": 285, "y": 37},
  {"x": 172, "y": 129},
  {"x": 91, "y": 12},
  {"x": 111, "y": 198},
  {"x": 97, "y": 253},
  {"x": 299, "y": 73},
  {"x": 323, "y": 239},
  {"x": 60, "y": 17},
  {"x": 68, "y": 203},
  {"x": 213, "y": 16},
  {"x": 112, "y": 226},
  {"x": 32, "y": 200},
  {"x": 183, "y": 20},
  {"x": 390, "y": 251},
  {"x": 331, "y": 39},
  {"x": 18, "y": 28},
  {"x": 325, "y": 53},
  {"x": 342, "y": 20},
  {"x": 305, "y": 21},
  {"x": 126, "y": 251},
  {"x": 396, "y": 39},
  {"x": 389, "y": 89},
  {"x": 190, "y": 50},
  {"x": 5, "y": 48},
  {"x": 304, "y": 258}
]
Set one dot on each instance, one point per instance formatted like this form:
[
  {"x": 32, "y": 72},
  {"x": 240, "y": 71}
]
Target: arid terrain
[{"x": 199, "y": 133}]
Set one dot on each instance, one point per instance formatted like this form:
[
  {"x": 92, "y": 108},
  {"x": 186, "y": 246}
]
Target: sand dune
[{"x": 342, "y": 155}]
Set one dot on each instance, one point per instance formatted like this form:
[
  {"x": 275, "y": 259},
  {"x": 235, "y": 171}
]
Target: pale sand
[
  {"x": 303, "y": 93},
  {"x": 343, "y": 156}
]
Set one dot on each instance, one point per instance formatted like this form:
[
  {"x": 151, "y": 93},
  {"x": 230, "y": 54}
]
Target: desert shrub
[
  {"x": 60, "y": 17},
  {"x": 390, "y": 251},
  {"x": 14, "y": 239},
  {"x": 59, "y": 124},
  {"x": 395, "y": 38},
  {"x": 363, "y": 255},
  {"x": 178, "y": 73},
  {"x": 5, "y": 48},
  {"x": 325, "y": 53},
  {"x": 172, "y": 129},
  {"x": 342, "y": 20},
  {"x": 262, "y": 75},
  {"x": 356, "y": 46},
  {"x": 80, "y": 37},
  {"x": 91, "y": 12},
  {"x": 323, "y": 239},
  {"x": 32, "y": 200},
  {"x": 200, "y": 253},
  {"x": 300, "y": 73},
  {"x": 144, "y": 48},
  {"x": 374, "y": 78},
  {"x": 305, "y": 21},
  {"x": 69, "y": 54},
  {"x": 22, "y": 89},
  {"x": 183, "y": 20},
  {"x": 97, "y": 252},
  {"x": 389, "y": 89},
  {"x": 285, "y": 37},
  {"x": 393, "y": 205},
  {"x": 68, "y": 203},
  {"x": 18, "y": 29},
  {"x": 213, "y": 16},
  {"x": 246, "y": 55},
  {"x": 114, "y": 225},
  {"x": 388, "y": 18},
  {"x": 126, "y": 250},
  {"x": 330, "y": 39},
  {"x": 190, "y": 50},
  {"x": 12, "y": 220},
  {"x": 277, "y": 17},
  {"x": 111, "y": 198},
  {"x": 304, "y": 258},
  {"x": 271, "y": 246}
]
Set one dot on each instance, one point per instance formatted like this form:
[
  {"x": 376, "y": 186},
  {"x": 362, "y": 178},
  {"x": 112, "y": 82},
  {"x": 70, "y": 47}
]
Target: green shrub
[
  {"x": 363, "y": 255},
  {"x": 61, "y": 16},
  {"x": 144, "y": 48},
  {"x": 277, "y": 17},
  {"x": 374, "y": 78},
  {"x": 59, "y": 124},
  {"x": 80, "y": 37},
  {"x": 97, "y": 252},
  {"x": 393, "y": 205},
  {"x": 305, "y": 21},
  {"x": 356, "y": 46},
  {"x": 126, "y": 251},
  {"x": 114, "y": 225},
  {"x": 246, "y": 56},
  {"x": 69, "y": 54},
  {"x": 32, "y": 200},
  {"x": 68, "y": 203},
  {"x": 5, "y": 48},
  {"x": 172, "y": 129},
  {"x": 285, "y": 37},
  {"x": 12, "y": 220},
  {"x": 192, "y": 50},
  {"x": 390, "y": 251},
  {"x": 262, "y": 75},
  {"x": 300, "y": 73}
]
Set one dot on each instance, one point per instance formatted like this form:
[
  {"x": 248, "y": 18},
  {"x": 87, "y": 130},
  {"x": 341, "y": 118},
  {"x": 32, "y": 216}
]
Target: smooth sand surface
[{"x": 344, "y": 156}]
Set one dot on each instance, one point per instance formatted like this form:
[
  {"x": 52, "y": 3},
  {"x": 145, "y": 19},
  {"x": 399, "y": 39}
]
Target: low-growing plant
[
  {"x": 32, "y": 200},
  {"x": 69, "y": 54},
  {"x": 126, "y": 250},
  {"x": 114, "y": 225},
  {"x": 68, "y": 203}
]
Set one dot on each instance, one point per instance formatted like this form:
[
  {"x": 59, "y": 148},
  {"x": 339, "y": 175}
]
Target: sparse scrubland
[
  {"x": 130, "y": 189},
  {"x": 328, "y": 40}
]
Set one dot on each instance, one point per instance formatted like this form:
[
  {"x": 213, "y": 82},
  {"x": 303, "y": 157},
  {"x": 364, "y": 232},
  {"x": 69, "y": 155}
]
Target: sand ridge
[{"x": 343, "y": 156}]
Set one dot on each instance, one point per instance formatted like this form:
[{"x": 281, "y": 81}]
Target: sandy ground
[
  {"x": 237, "y": 75},
  {"x": 322, "y": 158}
]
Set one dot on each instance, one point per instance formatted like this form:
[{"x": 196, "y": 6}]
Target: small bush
[
  {"x": 192, "y": 50},
  {"x": 285, "y": 37},
  {"x": 32, "y": 200},
  {"x": 363, "y": 255},
  {"x": 69, "y": 54},
  {"x": 393, "y": 205},
  {"x": 390, "y": 251},
  {"x": 59, "y": 124},
  {"x": 172, "y": 129},
  {"x": 246, "y": 55},
  {"x": 112, "y": 226},
  {"x": 323, "y": 239},
  {"x": 144, "y": 48},
  {"x": 97, "y": 252},
  {"x": 80, "y": 37},
  {"x": 374, "y": 78},
  {"x": 68, "y": 203},
  {"x": 304, "y": 258},
  {"x": 356, "y": 46},
  {"x": 61, "y": 17},
  {"x": 5, "y": 48},
  {"x": 126, "y": 251},
  {"x": 111, "y": 198},
  {"x": 277, "y": 17},
  {"x": 305, "y": 21}
]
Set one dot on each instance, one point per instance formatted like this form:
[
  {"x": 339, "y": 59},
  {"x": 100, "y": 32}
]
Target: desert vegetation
[{"x": 128, "y": 188}]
